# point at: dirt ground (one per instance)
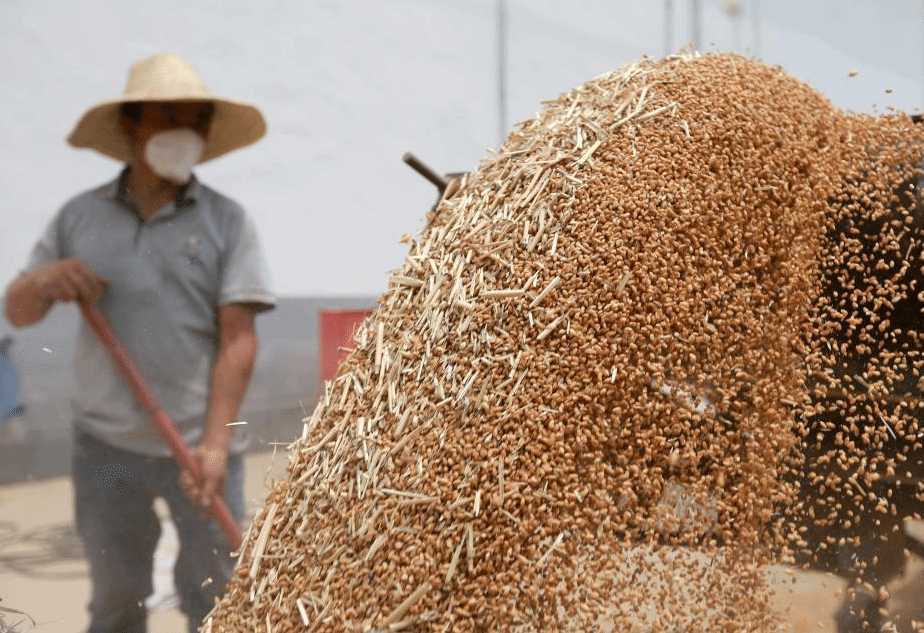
(43, 574)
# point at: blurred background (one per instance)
(347, 88)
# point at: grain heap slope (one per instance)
(593, 354)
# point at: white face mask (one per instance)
(173, 154)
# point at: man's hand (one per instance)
(237, 351)
(212, 464)
(29, 298)
(68, 280)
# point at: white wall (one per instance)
(348, 87)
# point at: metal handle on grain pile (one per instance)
(422, 169)
(159, 416)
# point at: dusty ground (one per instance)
(42, 571)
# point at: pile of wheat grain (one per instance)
(573, 406)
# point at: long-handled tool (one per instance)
(159, 416)
(421, 168)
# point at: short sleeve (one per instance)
(245, 274)
(48, 248)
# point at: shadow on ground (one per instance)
(47, 552)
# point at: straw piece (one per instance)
(500, 480)
(327, 438)
(549, 287)
(412, 282)
(519, 381)
(406, 494)
(404, 440)
(243, 547)
(509, 293)
(454, 562)
(418, 501)
(653, 113)
(548, 553)
(302, 612)
(589, 152)
(377, 544)
(403, 624)
(409, 602)
(261, 540)
(380, 333)
(622, 282)
(467, 384)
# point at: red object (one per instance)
(159, 417)
(335, 335)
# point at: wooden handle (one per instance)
(159, 417)
(422, 169)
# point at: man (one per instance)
(178, 271)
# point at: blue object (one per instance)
(9, 383)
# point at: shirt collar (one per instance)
(118, 192)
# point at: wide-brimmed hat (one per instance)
(168, 77)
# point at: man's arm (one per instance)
(234, 362)
(29, 298)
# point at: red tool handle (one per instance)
(159, 416)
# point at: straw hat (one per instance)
(168, 77)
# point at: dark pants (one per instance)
(114, 493)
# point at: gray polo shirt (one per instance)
(167, 277)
